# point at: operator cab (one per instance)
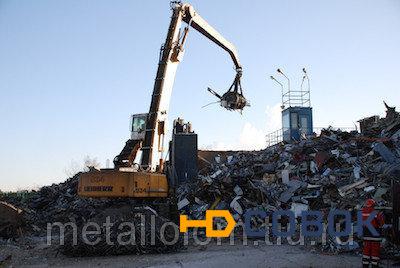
(127, 156)
(138, 126)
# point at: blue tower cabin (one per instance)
(296, 123)
(297, 119)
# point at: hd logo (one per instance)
(185, 223)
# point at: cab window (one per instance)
(139, 124)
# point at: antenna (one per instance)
(274, 79)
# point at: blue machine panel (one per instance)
(184, 156)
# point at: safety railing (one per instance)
(275, 137)
(278, 135)
(299, 98)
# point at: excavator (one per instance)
(148, 182)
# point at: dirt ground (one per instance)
(38, 254)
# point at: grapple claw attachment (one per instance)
(233, 99)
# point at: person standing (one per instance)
(371, 243)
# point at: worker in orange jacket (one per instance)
(371, 243)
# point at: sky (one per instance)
(72, 72)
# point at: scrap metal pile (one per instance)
(55, 203)
(11, 220)
(336, 170)
(146, 237)
(60, 203)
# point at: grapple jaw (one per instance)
(233, 99)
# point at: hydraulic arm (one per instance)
(171, 54)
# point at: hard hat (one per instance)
(370, 203)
